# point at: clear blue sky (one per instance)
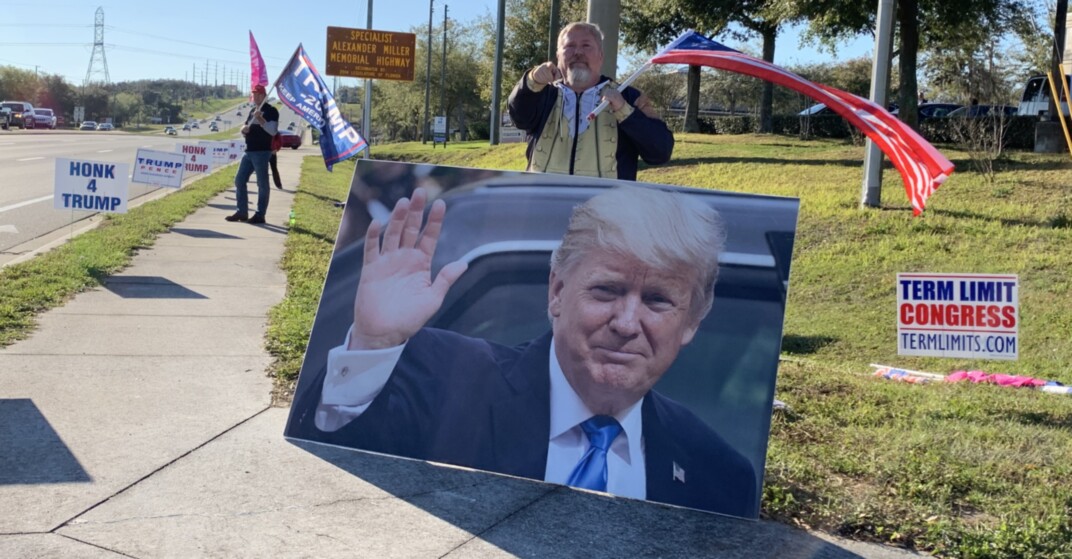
(166, 40)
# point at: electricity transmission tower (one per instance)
(98, 64)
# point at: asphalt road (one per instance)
(27, 171)
(27, 182)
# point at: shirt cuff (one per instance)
(623, 113)
(355, 378)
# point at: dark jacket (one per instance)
(638, 135)
(258, 139)
(473, 403)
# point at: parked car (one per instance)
(44, 118)
(170, 131)
(105, 126)
(983, 110)
(820, 109)
(88, 125)
(1035, 100)
(22, 113)
(290, 139)
(934, 110)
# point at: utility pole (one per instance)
(1056, 69)
(443, 77)
(607, 15)
(552, 31)
(428, 75)
(496, 102)
(366, 117)
(871, 195)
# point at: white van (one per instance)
(1036, 98)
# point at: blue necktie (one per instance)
(591, 471)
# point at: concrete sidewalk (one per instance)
(136, 422)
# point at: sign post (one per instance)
(439, 131)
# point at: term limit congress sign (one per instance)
(364, 53)
(958, 315)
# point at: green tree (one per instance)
(17, 84)
(525, 42)
(648, 24)
(398, 106)
(936, 26)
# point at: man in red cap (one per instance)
(261, 125)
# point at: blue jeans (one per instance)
(253, 161)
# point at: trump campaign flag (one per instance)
(302, 89)
(258, 72)
(923, 168)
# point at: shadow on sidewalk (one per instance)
(528, 518)
(31, 451)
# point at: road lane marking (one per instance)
(29, 159)
(105, 151)
(26, 203)
(9, 229)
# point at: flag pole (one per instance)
(621, 87)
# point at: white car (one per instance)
(44, 118)
(105, 126)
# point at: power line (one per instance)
(162, 38)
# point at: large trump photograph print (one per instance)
(607, 335)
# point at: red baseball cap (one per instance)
(258, 89)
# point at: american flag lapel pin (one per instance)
(679, 473)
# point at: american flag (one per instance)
(923, 168)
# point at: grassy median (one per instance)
(956, 470)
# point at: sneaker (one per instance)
(257, 218)
(239, 216)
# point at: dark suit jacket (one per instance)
(469, 402)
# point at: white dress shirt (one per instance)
(355, 378)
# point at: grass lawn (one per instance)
(956, 470)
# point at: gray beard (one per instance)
(578, 76)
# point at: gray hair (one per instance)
(592, 28)
(665, 230)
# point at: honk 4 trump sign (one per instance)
(958, 315)
(92, 186)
